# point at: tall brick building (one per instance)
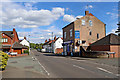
(82, 32)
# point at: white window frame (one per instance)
(83, 22)
(65, 35)
(90, 23)
(70, 32)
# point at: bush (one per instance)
(26, 51)
(3, 60)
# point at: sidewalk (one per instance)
(107, 61)
(23, 67)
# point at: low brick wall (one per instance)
(59, 50)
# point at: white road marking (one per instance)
(83, 68)
(44, 68)
(78, 67)
(104, 70)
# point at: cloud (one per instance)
(70, 18)
(27, 16)
(113, 15)
(38, 35)
(88, 7)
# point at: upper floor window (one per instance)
(90, 33)
(4, 40)
(90, 23)
(71, 33)
(83, 22)
(64, 34)
(97, 35)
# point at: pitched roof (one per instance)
(110, 39)
(9, 33)
(18, 45)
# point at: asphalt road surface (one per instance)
(62, 67)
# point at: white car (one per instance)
(43, 50)
(13, 53)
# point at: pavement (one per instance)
(23, 67)
(69, 67)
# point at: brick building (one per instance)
(82, 32)
(10, 42)
(109, 43)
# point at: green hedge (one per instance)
(3, 60)
(26, 51)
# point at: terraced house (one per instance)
(82, 32)
(10, 42)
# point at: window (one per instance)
(90, 33)
(83, 22)
(64, 34)
(90, 23)
(71, 33)
(97, 35)
(4, 40)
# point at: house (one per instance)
(54, 46)
(25, 42)
(58, 48)
(109, 43)
(10, 42)
(82, 32)
(47, 46)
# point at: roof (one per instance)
(110, 39)
(18, 45)
(9, 33)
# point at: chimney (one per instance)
(55, 38)
(49, 39)
(45, 40)
(25, 38)
(86, 12)
(13, 29)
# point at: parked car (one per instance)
(8, 53)
(13, 53)
(43, 50)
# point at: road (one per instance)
(62, 67)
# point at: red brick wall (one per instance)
(116, 49)
(9, 39)
(59, 50)
(100, 48)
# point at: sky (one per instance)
(37, 20)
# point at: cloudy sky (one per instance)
(37, 20)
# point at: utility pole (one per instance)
(52, 42)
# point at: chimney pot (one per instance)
(86, 12)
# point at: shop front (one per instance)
(68, 48)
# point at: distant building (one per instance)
(10, 42)
(54, 46)
(25, 42)
(82, 32)
(109, 43)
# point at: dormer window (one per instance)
(83, 22)
(90, 23)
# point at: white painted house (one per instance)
(58, 45)
(25, 42)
